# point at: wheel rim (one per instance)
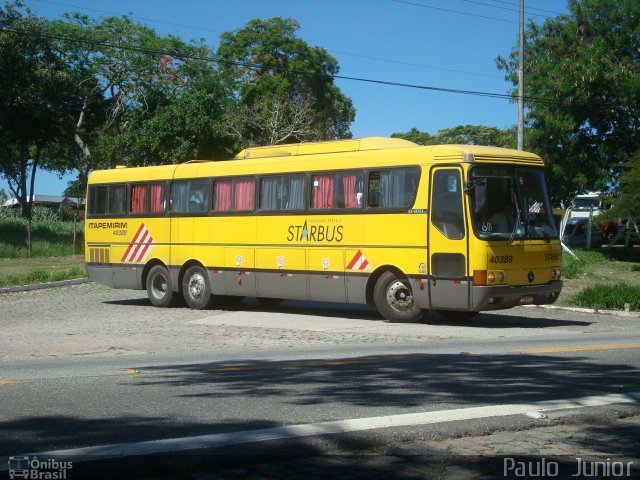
(400, 297)
(196, 286)
(159, 286)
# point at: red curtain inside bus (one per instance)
(222, 195)
(245, 194)
(322, 191)
(350, 193)
(139, 199)
(157, 198)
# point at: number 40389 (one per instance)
(501, 259)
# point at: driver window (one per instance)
(446, 204)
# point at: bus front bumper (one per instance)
(497, 297)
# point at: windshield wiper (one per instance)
(547, 238)
(518, 220)
(470, 185)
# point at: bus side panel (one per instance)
(227, 259)
(239, 271)
(326, 275)
(212, 257)
(281, 273)
(398, 240)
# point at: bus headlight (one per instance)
(556, 273)
(496, 277)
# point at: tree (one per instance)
(146, 99)
(34, 99)
(583, 93)
(187, 126)
(464, 135)
(627, 202)
(272, 120)
(74, 188)
(283, 87)
(416, 136)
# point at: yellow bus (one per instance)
(382, 221)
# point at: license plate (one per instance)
(525, 300)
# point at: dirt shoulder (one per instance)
(24, 265)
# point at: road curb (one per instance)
(593, 311)
(41, 286)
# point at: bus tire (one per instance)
(196, 288)
(457, 315)
(159, 288)
(393, 297)
(269, 302)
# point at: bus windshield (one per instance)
(510, 203)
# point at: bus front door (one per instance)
(447, 241)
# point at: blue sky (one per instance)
(434, 43)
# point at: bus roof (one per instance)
(337, 146)
(289, 158)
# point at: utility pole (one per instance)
(521, 79)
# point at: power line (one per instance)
(256, 67)
(405, 2)
(107, 12)
(399, 62)
(368, 57)
(504, 8)
(527, 8)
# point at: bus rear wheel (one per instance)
(393, 297)
(196, 288)
(159, 289)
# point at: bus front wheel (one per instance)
(159, 288)
(393, 297)
(195, 288)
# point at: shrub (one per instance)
(40, 276)
(608, 297)
(50, 236)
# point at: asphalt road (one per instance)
(87, 366)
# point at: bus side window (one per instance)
(158, 198)
(180, 197)
(349, 189)
(244, 194)
(198, 196)
(322, 190)
(283, 192)
(117, 199)
(138, 198)
(394, 188)
(446, 208)
(97, 200)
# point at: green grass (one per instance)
(608, 297)
(51, 234)
(572, 268)
(40, 276)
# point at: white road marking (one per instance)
(322, 428)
